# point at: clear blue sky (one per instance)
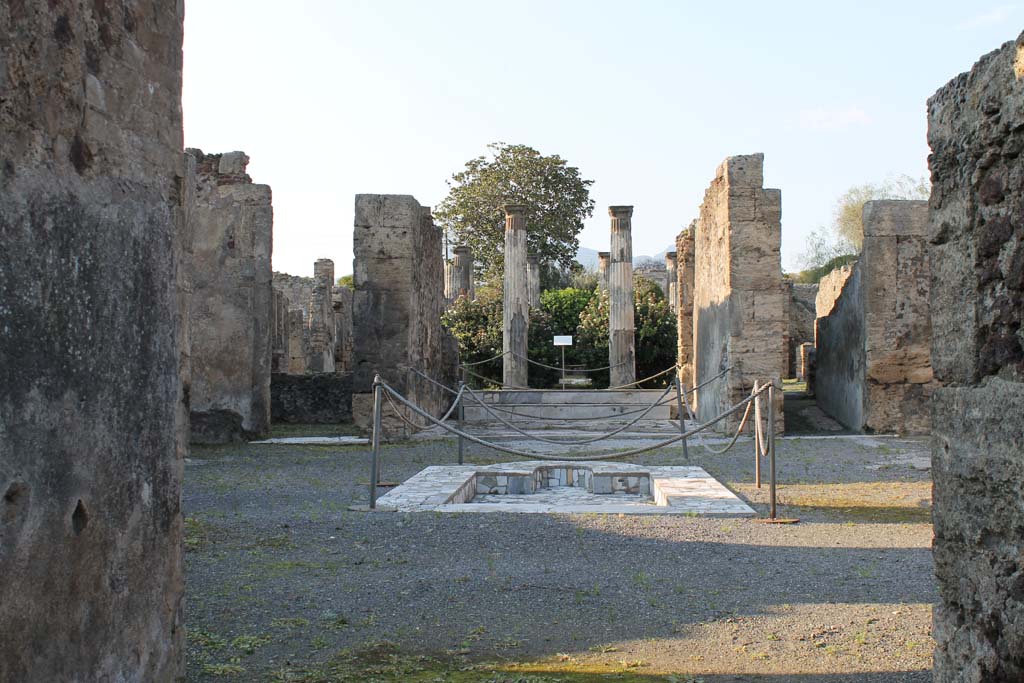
(332, 97)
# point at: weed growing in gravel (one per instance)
(249, 644)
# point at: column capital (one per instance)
(670, 258)
(514, 209)
(620, 211)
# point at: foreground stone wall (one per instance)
(232, 301)
(976, 230)
(740, 305)
(874, 361)
(93, 351)
(397, 304)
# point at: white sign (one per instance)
(563, 340)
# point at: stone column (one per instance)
(462, 267)
(321, 317)
(533, 281)
(684, 312)
(672, 287)
(516, 317)
(451, 292)
(621, 343)
(602, 270)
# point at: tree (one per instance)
(849, 207)
(556, 196)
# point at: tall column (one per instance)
(533, 281)
(621, 343)
(672, 285)
(462, 265)
(321, 317)
(516, 318)
(602, 270)
(451, 292)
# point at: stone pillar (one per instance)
(462, 268)
(298, 343)
(342, 297)
(321, 317)
(516, 319)
(684, 314)
(231, 332)
(602, 269)
(451, 291)
(671, 285)
(621, 342)
(533, 281)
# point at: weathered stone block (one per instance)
(324, 398)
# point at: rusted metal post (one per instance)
(462, 418)
(682, 415)
(375, 459)
(757, 439)
(771, 449)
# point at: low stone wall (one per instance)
(976, 251)
(322, 398)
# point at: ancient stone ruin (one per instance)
(231, 221)
(976, 252)
(802, 314)
(739, 305)
(397, 306)
(95, 368)
(684, 306)
(873, 341)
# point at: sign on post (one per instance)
(563, 340)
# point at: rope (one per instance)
(552, 367)
(568, 458)
(481, 362)
(448, 414)
(434, 381)
(542, 418)
(709, 381)
(582, 442)
(645, 379)
(735, 437)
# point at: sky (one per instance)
(332, 98)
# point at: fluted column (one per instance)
(621, 342)
(462, 267)
(450, 291)
(602, 270)
(516, 318)
(533, 281)
(671, 282)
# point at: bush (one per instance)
(578, 312)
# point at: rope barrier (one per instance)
(568, 458)
(552, 367)
(451, 409)
(481, 362)
(645, 379)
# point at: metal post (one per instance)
(757, 440)
(375, 460)
(462, 418)
(771, 449)
(563, 368)
(682, 416)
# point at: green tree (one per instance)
(555, 194)
(346, 281)
(850, 205)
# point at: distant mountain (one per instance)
(588, 257)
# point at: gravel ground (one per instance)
(281, 576)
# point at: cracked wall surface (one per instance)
(93, 341)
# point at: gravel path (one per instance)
(281, 576)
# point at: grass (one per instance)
(280, 430)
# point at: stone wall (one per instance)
(323, 398)
(873, 348)
(297, 288)
(93, 350)
(232, 307)
(976, 252)
(281, 323)
(802, 313)
(740, 306)
(839, 353)
(829, 289)
(684, 307)
(342, 298)
(397, 304)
